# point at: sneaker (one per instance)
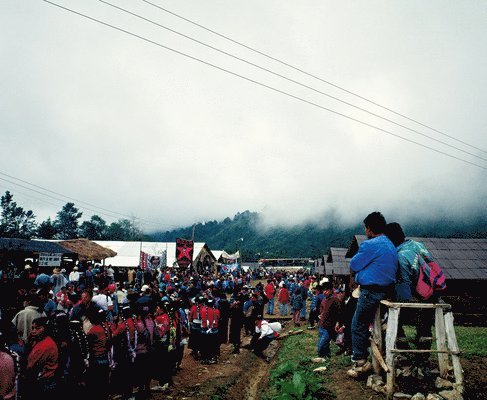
(360, 367)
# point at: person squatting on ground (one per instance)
(375, 266)
(265, 333)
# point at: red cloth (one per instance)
(7, 377)
(194, 312)
(210, 317)
(97, 341)
(283, 297)
(270, 290)
(42, 361)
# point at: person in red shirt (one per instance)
(195, 327)
(42, 362)
(99, 344)
(209, 329)
(124, 344)
(270, 291)
(283, 299)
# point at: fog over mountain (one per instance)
(135, 120)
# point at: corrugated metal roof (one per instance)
(32, 246)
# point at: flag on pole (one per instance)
(184, 252)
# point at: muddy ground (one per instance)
(244, 377)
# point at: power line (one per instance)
(312, 75)
(105, 212)
(260, 83)
(289, 79)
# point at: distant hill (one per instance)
(307, 240)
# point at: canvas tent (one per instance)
(128, 253)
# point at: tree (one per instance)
(125, 229)
(46, 230)
(94, 229)
(66, 222)
(15, 222)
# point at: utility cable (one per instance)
(311, 75)
(289, 79)
(84, 202)
(63, 200)
(260, 83)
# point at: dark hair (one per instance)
(375, 222)
(395, 233)
(41, 321)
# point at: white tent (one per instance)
(128, 253)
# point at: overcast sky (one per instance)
(109, 119)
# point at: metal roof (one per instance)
(336, 264)
(32, 246)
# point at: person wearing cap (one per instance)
(146, 300)
(375, 266)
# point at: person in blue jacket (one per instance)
(375, 267)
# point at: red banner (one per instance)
(143, 260)
(184, 252)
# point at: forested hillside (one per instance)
(244, 232)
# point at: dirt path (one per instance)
(236, 376)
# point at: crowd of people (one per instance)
(94, 331)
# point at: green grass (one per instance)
(472, 341)
(292, 377)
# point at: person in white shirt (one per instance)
(265, 333)
(74, 275)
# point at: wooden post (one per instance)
(453, 346)
(391, 336)
(377, 339)
(441, 342)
